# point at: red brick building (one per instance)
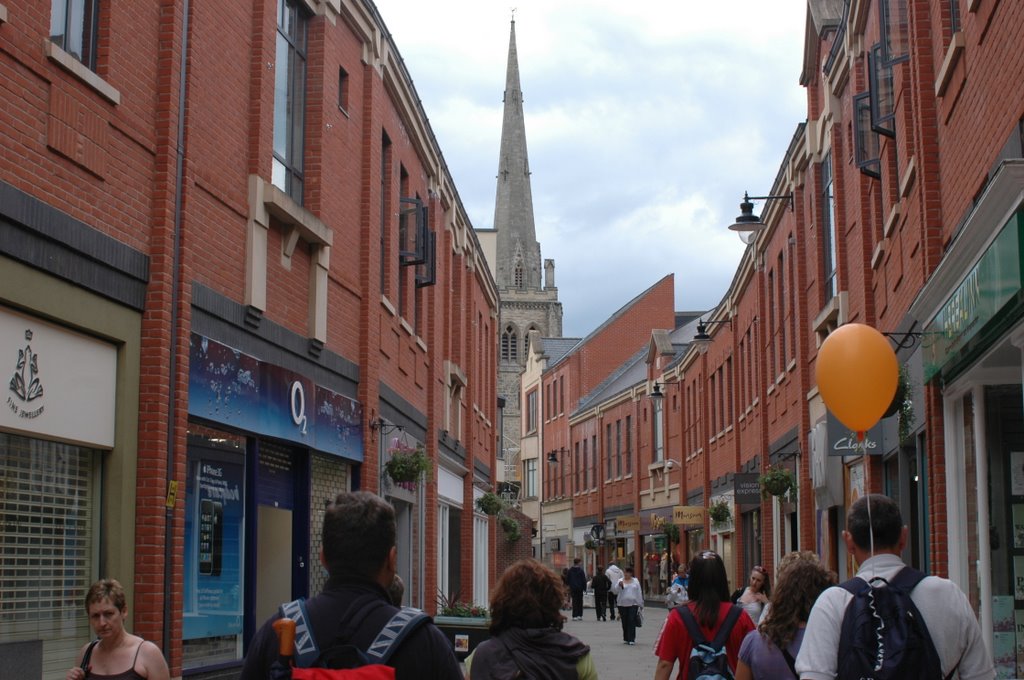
(238, 277)
(898, 204)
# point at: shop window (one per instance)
(213, 580)
(48, 510)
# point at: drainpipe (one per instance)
(172, 392)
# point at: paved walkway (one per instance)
(613, 659)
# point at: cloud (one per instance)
(645, 124)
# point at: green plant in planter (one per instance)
(408, 465)
(720, 512)
(777, 481)
(451, 605)
(511, 528)
(490, 504)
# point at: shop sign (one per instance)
(747, 488)
(688, 515)
(627, 523)
(988, 286)
(232, 388)
(58, 383)
(842, 441)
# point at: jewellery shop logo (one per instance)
(25, 385)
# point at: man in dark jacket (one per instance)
(360, 555)
(601, 584)
(577, 584)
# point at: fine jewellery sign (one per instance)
(58, 383)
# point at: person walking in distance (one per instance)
(614, 575)
(876, 537)
(115, 653)
(600, 584)
(577, 584)
(708, 617)
(359, 552)
(630, 598)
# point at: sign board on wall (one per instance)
(843, 442)
(627, 523)
(232, 388)
(688, 515)
(747, 487)
(58, 383)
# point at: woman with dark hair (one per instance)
(755, 596)
(770, 652)
(526, 630)
(709, 608)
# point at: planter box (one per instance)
(464, 633)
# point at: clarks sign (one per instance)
(843, 442)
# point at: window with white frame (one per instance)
(74, 28)
(658, 454)
(828, 229)
(290, 98)
(531, 411)
(530, 477)
(481, 590)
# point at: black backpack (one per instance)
(709, 660)
(883, 634)
(341, 654)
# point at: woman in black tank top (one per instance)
(115, 654)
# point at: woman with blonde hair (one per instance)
(770, 651)
(527, 640)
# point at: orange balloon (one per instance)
(857, 374)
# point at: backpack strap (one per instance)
(907, 579)
(723, 631)
(791, 662)
(691, 625)
(306, 649)
(398, 628)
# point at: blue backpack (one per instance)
(883, 634)
(708, 660)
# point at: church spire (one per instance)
(518, 253)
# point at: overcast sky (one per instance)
(645, 123)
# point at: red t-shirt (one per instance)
(674, 643)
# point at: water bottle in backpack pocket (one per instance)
(883, 635)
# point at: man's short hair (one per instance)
(359, 532)
(886, 522)
(576, 561)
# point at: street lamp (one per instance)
(701, 338)
(747, 224)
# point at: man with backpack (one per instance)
(890, 621)
(359, 552)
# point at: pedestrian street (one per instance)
(613, 659)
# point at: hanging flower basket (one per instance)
(490, 504)
(408, 465)
(777, 481)
(511, 528)
(720, 512)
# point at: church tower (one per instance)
(529, 298)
